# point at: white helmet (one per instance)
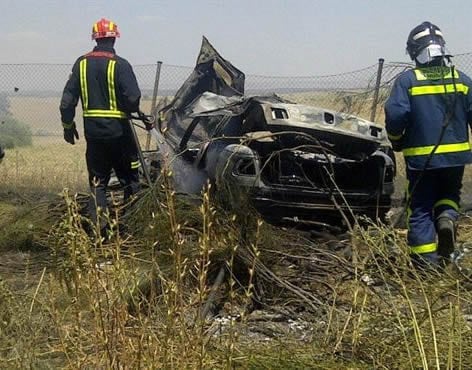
(426, 42)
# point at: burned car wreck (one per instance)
(294, 162)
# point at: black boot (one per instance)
(446, 236)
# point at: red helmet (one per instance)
(104, 28)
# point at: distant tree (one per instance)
(14, 133)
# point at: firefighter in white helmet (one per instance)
(428, 115)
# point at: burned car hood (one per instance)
(214, 93)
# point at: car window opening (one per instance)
(375, 131)
(329, 118)
(278, 113)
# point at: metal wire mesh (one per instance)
(30, 95)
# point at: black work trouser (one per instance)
(119, 154)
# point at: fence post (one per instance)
(377, 89)
(154, 100)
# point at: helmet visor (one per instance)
(428, 53)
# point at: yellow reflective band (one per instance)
(441, 149)
(67, 125)
(111, 25)
(83, 83)
(95, 27)
(394, 137)
(135, 165)
(105, 113)
(435, 73)
(111, 84)
(113, 112)
(439, 89)
(447, 202)
(423, 248)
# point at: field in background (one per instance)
(46, 167)
(50, 164)
(42, 114)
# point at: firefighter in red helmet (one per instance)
(104, 28)
(109, 93)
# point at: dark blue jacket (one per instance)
(108, 89)
(421, 103)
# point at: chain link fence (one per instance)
(30, 96)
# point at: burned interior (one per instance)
(295, 162)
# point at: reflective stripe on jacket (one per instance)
(110, 109)
(422, 101)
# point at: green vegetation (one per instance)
(14, 133)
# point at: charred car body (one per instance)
(295, 162)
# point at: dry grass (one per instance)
(139, 300)
(44, 168)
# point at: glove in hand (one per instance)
(70, 134)
(147, 120)
(397, 145)
(148, 125)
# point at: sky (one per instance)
(260, 37)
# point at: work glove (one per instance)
(71, 133)
(397, 145)
(147, 120)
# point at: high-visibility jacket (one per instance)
(422, 101)
(108, 90)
